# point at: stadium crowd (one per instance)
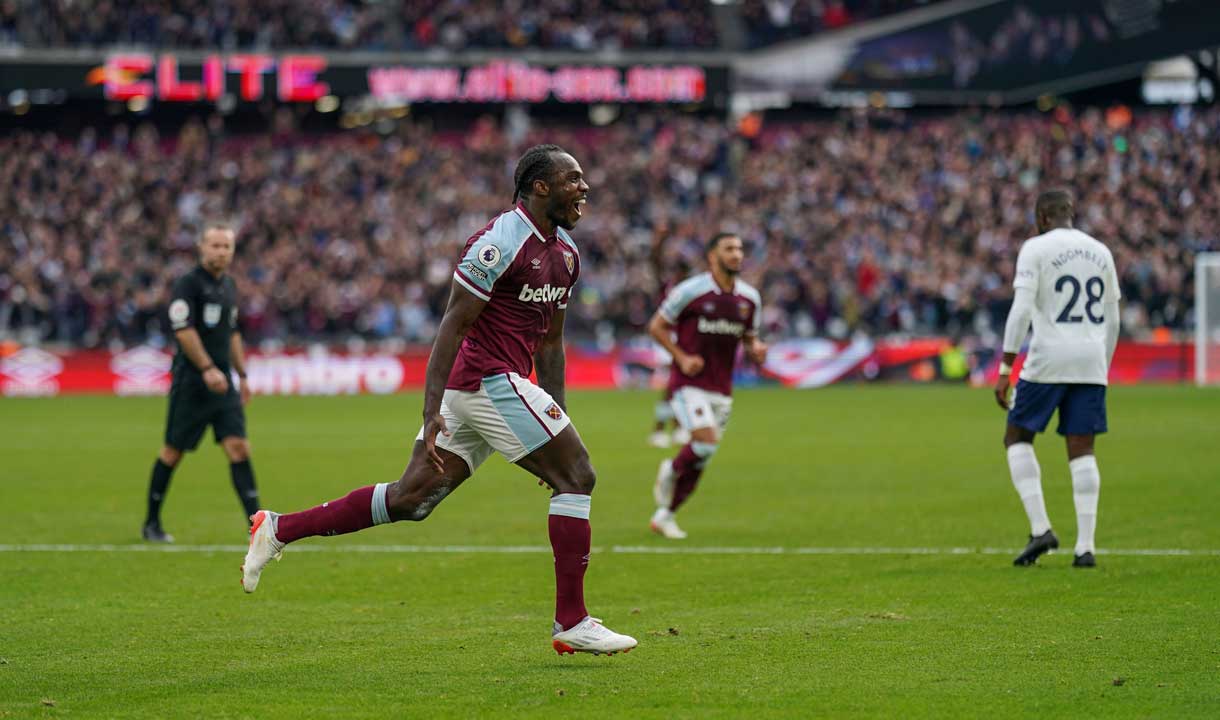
(872, 222)
(360, 25)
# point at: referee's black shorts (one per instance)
(192, 407)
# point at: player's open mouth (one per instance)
(576, 206)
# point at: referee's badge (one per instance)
(179, 311)
(211, 314)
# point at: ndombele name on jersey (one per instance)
(1069, 255)
(720, 326)
(546, 293)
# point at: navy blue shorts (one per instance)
(1082, 408)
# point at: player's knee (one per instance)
(237, 449)
(704, 450)
(1014, 435)
(578, 478)
(582, 479)
(1079, 445)
(170, 456)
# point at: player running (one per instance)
(700, 323)
(1066, 283)
(505, 316)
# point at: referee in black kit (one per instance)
(203, 315)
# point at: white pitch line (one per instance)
(613, 549)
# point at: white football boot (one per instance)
(659, 439)
(590, 636)
(663, 524)
(263, 548)
(663, 488)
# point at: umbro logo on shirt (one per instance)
(546, 293)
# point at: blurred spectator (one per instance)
(558, 24)
(363, 24)
(879, 223)
(219, 24)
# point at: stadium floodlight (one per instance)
(1207, 318)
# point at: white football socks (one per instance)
(1086, 486)
(1027, 479)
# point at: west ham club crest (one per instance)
(570, 261)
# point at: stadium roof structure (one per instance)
(998, 52)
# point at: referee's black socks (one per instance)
(157, 485)
(243, 483)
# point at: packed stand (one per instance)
(203, 24)
(860, 223)
(558, 24)
(361, 24)
(771, 21)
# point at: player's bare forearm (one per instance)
(549, 361)
(662, 331)
(463, 310)
(756, 349)
(192, 347)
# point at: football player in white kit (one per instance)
(1067, 286)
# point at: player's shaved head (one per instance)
(1055, 208)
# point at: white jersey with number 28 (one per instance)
(1074, 278)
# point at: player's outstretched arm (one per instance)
(464, 308)
(549, 360)
(192, 346)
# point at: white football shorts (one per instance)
(508, 414)
(697, 408)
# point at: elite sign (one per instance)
(304, 78)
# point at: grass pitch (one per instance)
(775, 623)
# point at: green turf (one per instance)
(134, 634)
